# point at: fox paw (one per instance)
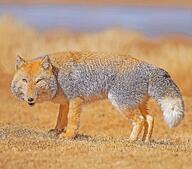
(132, 139)
(68, 135)
(55, 132)
(147, 141)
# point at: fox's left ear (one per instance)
(46, 64)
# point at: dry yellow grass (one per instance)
(103, 135)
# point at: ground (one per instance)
(102, 141)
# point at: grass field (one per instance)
(102, 141)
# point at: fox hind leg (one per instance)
(136, 120)
(140, 121)
(137, 123)
(148, 124)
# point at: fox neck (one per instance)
(59, 97)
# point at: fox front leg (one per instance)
(73, 118)
(61, 120)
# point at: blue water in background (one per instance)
(152, 21)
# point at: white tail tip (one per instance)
(173, 110)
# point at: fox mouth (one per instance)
(31, 104)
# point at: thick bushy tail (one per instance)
(167, 95)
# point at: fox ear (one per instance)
(46, 64)
(19, 62)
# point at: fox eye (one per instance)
(39, 80)
(24, 80)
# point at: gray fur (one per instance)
(17, 90)
(128, 88)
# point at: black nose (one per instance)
(30, 99)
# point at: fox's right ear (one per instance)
(19, 62)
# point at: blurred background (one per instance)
(156, 31)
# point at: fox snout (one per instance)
(31, 95)
(30, 101)
(31, 98)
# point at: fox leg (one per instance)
(138, 123)
(61, 119)
(150, 122)
(73, 117)
(137, 120)
(148, 125)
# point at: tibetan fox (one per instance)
(73, 78)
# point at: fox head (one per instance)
(34, 81)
